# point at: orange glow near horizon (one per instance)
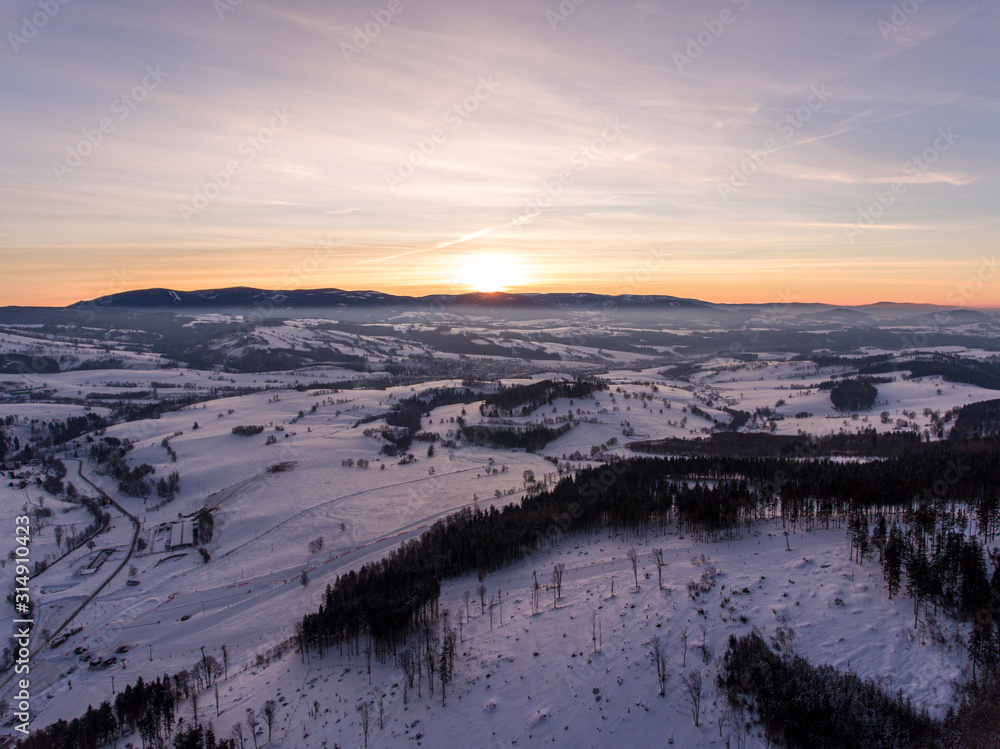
(485, 277)
(471, 149)
(510, 264)
(489, 272)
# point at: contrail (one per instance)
(855, 127)
(466, 238)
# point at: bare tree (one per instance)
(237, 734)
(736, 720)
(365, 711)
(633, 557)
(212, 668)
(658, 653)
(692, 694)
(557, 577)
(784, 641)
(253, 723)
(406, 662)
(493, 601)
(595, 630)
(704, 643)
(657, 555)
(430, 660)
(685, 631)
(379, 693)
(481, 590)
(270, 713)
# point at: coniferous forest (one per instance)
(926, 516)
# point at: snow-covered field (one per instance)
(534, 679)
(531, 678)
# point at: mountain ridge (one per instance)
(241, 297)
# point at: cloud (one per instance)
(356, 120)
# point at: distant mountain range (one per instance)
(237, 328)
(242, 298)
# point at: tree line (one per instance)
(819, 707)
(708, 496)
(521, 400)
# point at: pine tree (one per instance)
(863, 540)
(880, 534)
(892, 569)
(917, 575)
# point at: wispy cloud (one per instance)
(356, 119)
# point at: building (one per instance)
(181, 535)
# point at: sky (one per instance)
(726, 150)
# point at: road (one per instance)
(131, 549)
(228, 600)
(135, 539)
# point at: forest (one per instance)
(925, 516)
(949, 366)
(511, 438)
(818, 707)
(521, 400)
(853, 395)
(724, 443)
(935, 493)
(978, 418)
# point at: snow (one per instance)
(538, 679)
(529, 681)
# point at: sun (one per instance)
(489, 272)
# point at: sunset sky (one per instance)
(729, 150)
